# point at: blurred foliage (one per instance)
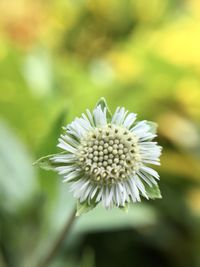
(56, 59)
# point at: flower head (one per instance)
(106, 158)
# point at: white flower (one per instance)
(106, 159)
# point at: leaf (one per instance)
(45, 163)
(153, 192)
(153, 126)
(84, 207)
(17, 176)
(100, 219)
(102, 102)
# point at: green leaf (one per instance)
(153, 126)
(102, 102)
(153, 192)
(17, 176)
(84, 207)
(45, 163)
(100, 219)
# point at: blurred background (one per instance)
(56, 59)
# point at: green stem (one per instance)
(59, 241)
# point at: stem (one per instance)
(58, 242)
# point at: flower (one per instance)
(106, 158)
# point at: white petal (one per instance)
(150, 171)
(85, 124)
(104, 197)
(110, 197)
(140, 186)
(143, 177)
(123, 193)
(147, 136)
(70, 140)
(151, 162)
(75, 186)
(63, 158)
(100, 116)
(119, 116)
(88, 120)
(147, 178)
(128, 122)
(140, 127)
(65, 169)
(117, 195)
(86, 192)
(129, 192)
(141, 130)
(90, 117)
(134, 188)
(99, 196)
(66, 146)
(77, 127)
(71, 176)
(94, 192)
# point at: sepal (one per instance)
(46, 163)
(84, 207)
(153, 192)
(102, 102)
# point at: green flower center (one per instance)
(109, 154)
